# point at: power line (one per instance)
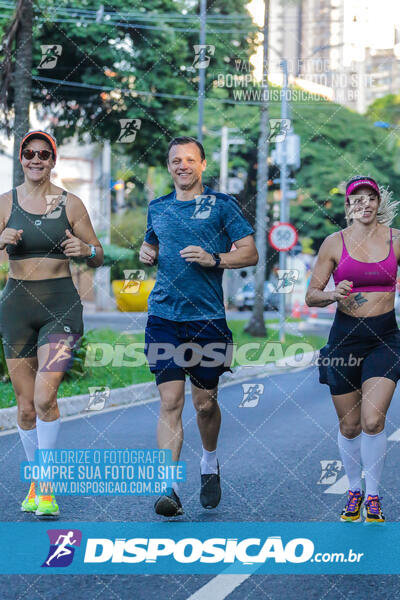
(151, 27)
(137, 15)
(248, 26)
(156, 94)
(175, 17)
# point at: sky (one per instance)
(366, 23)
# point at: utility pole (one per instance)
(256, 325)
(103, 274)
(202, 73)
(284, 199)
(223, 173)
(224, 188)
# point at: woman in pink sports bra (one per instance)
(361, 360)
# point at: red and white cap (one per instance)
(38, 133)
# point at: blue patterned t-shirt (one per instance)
(187, 291)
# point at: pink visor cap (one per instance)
(362, 182)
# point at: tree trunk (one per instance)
(22, 83)
(256, 325)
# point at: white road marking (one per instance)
(395, 437)
(339, 487)
(219, 587)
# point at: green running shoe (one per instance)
(47, 507)
(31, 501)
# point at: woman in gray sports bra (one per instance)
(41, 227)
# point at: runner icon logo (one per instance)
(203, 54)
(203, 207)
(50, 56)
(98, 395)
(61, 347)
(62, 547)
(133, 278)
(53, 206)
(330, 470)
(251, 394)
(278, 129)
(286, 280)
(129, 129)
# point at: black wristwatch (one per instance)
(217, 259)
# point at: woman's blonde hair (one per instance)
(387, 209)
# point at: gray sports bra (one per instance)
(42, 234)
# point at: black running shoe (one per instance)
(352, 510)
(169, 505)
(373, 510)
(210, 492)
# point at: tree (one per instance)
(385, 109)
(18, 33)
(136, 65)
(256, 325)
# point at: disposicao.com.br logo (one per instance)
(62, 547)
(247, 551)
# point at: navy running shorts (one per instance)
(359, 348)
(201, 349)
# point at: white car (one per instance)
(244, 297)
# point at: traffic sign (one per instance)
(283, 236)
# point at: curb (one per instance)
(77, 405)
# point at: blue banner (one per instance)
(85, 472)
(199, 548)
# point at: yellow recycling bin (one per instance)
(131, 296)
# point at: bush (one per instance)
(76, 371)
(127, 231)
(4, 374)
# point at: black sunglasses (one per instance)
(42, 154)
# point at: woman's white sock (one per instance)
(47, 432)
(350, 452)
(29, 441)
(373, 452)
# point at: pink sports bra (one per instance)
(367, 277)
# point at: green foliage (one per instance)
(385, 109)
(336, 143)
(127, 59)
(3, 274)
(4, 374)
(78, 370)
(127, 232)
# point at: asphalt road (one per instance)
(270, 465)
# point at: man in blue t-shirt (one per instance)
(189, 235)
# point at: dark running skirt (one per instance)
(359, 348)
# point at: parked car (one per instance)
(244, 297)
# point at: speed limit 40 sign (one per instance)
(283, 236)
